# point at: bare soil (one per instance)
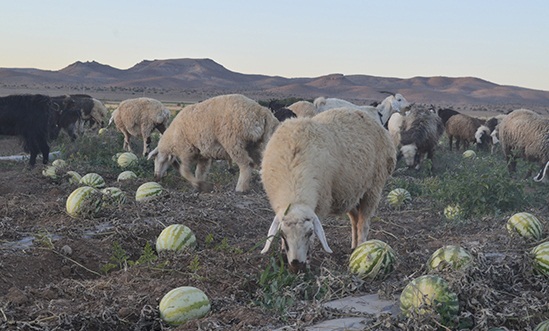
(53, 274)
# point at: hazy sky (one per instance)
(503, 41)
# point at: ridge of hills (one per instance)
(201, 78)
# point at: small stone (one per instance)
(66, 250)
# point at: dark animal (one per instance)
(283, 114)
(446, 113)
(69, 116)
(32, 117)
(84, 104)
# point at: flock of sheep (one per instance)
(317, 158)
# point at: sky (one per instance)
(502, 41)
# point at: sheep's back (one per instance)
(527, 132)
(462, 126)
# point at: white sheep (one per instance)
(381, 113)
(230, 127)
(419, 135)
(525, 134)
(139, 117)
(489, 129)
(395, 123)
(303, 108)
(335, 162)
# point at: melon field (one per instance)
(102, 272)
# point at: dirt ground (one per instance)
(53, 274)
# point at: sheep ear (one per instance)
(319, 231)
(153, 154)
(275, 226)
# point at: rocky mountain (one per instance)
(205, 77)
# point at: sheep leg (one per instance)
(202, 169)
(360, 218)
(127, 145)
(245, 165)
(451, 139)
(146, 145)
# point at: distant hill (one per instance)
(201, 78)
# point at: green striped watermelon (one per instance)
(398, 196)
(175, 237)
(127, 159)
(449, 257)
(183, 304)
(148, 191)
(74, 177)
(526, 225)
(59, 163)
(371, 259)
(84, 201)
(543, 326)
(92, 179)
(126, 175)
(113, 195)
(51, 172)
(429, 293)
(453, 212)
(541, 258)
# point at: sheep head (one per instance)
(296, 231)
(411, 156)
(162, 162)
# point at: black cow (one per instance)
(32, 117)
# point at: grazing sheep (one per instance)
(335, 162)
(525, 134)
(303, 108)
(381, 113)
(139, 117)
(421, 131)
(463, 128)
(446, 113)
(230, 127)
(394, 125)
(488, 132)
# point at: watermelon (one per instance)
(449, 257)
(92, 179)
(127, 159)
(175, 237)
(525, 225)
(74, 177)
(469, 154)
(540, 254)
(543, 326)
(453, 212)
(126, 175)
(183, 304)
(371, 259)
(51, 172)
(84, 201)
(101, 131)
(113, 195)
(148, 191)
(59, 163)
(398, 196)
(429, 293)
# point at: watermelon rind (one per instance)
(398, 196)
(73, 177)
(175, 237)
(51, 172)
(84, 201)
(372, 259)
(92, 179)
(59, 163)
(449, 257)
(113, 196)
(126, 160)
(469, 154)
(183, 304)
(453, 212)
(525, 225)
(126, 175)
(543, 326)
(148, 191)
(540, 255)
(429, 293)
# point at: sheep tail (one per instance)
(541, 175)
